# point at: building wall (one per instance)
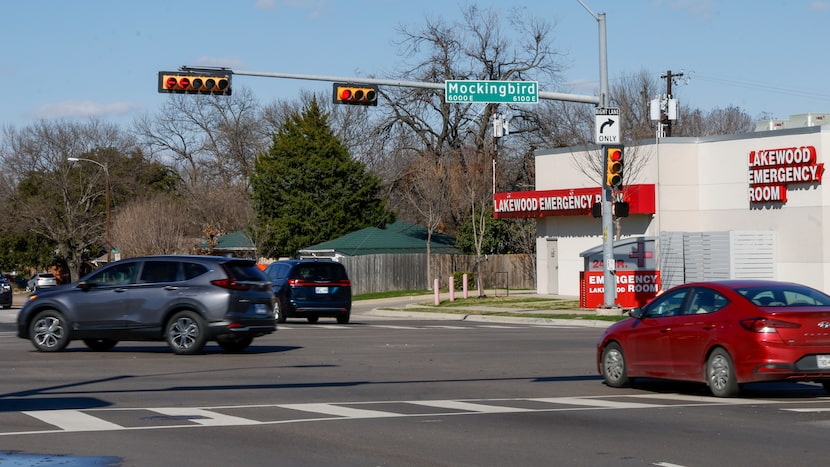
(701, 184)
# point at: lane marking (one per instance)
(348, 412)
(66, 421)
(204, 417)
(470, 407)
(704, 399)
(596, 403)
(72, 420)
(817, 410)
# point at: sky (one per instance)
(76, 59)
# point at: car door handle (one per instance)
(170, 287)
(665, 330)
(119, 290)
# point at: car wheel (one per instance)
(720, 374)
(313, 319)
(614, 368)
(278, 312)
(234, 344)
(344, 318)
(100, 345)
(185, 333)
(49, 331)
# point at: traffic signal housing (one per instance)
(354, 94)
(195, 82)
(613, 166)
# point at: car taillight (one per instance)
(230, 284)
(302, 282)
(767, 325)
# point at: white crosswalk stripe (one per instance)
(121, 418)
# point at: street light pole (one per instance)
(106, 200)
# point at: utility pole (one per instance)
(669, 77)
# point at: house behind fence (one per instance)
(396, 258)
(388, 272)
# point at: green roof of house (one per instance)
(236, 241)
(398, 237)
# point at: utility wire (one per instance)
(816, 95)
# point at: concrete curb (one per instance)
(488, 318)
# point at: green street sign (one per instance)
(497, 92)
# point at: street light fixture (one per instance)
(106, 200)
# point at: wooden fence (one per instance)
(387, 272)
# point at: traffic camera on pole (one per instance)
(354, 94)
(613, 156)
(216, 82)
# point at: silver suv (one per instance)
(185, 300)
(41, 280)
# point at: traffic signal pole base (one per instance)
(612, 311)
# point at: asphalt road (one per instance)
(386, 392)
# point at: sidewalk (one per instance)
(477, 313)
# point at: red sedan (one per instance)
(722, 333)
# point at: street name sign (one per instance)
(491, 92)
(607, 125)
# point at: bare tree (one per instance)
(425, 188)
(62, 201)
(479, 47)
(152, 226)
(212, 142)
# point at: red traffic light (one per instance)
(354, 94)
(191, 82)
(613, 166)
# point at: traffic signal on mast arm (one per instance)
(613, 166)
(195, 82)
(354, 94)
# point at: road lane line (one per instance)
(72, 420)
(348, 412)
(706, 399)
(204, 417)
(469, 406)
(596, 403)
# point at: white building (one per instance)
(737, 206)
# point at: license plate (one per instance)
(823, 361)
(321, 290)
(260, 309)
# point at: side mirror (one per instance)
(84, 285)
(636, 313)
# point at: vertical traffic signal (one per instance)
(613, 166)
(195, 82)
(354, 94)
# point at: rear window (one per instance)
(244, 271)
(46, 275)
(319, 272)
(785, 295)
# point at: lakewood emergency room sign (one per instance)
(773, 171)
(568, 202)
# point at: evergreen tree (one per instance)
(307, 189)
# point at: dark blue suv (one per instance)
(310, 289)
